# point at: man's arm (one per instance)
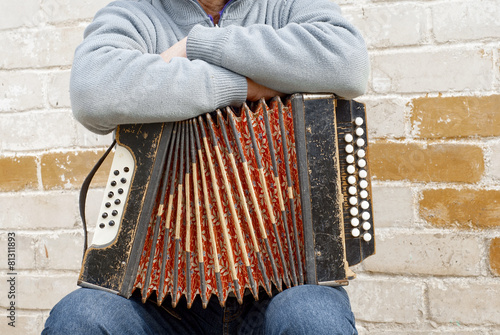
(254, 91)
(315, 50)
(117, 78)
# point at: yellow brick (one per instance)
(18, 173)
(429, 163)
(495, 256)
(456, 116)
(462, 209)
(69, 169)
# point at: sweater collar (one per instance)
(222, 10)
(189, 12)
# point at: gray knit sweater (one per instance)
(118, 76)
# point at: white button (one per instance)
(349, 159)
(361, 163)
(354, 211)
(353, 200)
(363, 184)
(354, 222)
(349, 149)
(365, 216)
(365, 204)
(348, 138)
(360, 142)
(355, 232)
(360, 131)
(366, 225)
(363, 194)
(367, 237)
(351, 169)
(351, 180)
(352, 190)
(361, 153)
(363, 174)
(359, 121)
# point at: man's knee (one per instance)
(311, 309)
(84, 311)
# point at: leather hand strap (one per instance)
(84, 191)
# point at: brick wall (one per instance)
(44, 155)
(433, 108)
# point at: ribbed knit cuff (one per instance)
(206, 44)
(230, 88)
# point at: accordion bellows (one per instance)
(224, 184)
(235, 200)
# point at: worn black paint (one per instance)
(114, 267)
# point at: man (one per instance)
(168, 60)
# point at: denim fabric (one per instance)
(307, 309)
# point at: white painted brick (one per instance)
(18, 13)
(344, 2)
(39, 210)
(494, 166)
(389, 25)
(392, 206)
(387, 300)
(466, 20)
(86, 138)
(426, 253)
(465, 302)
(385, 118)
(429, 331)
(59, 251)
(58, 89)
(24, 253)
(26, 324)
(39, 291)
(20, 91)
(497, 71)
(62, 10)
(39, 48)
(37, 130)
(438, 70)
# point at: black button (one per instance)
(102, 225)
(111, 194)
(113, 183)
(104, 215)
(123, 180)
(116, 172)
(114, 213)
(111, 223)
(126, 169)
(120, 191)
(117, 201)
(108, 204)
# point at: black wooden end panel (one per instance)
(325, 189)
(107, 267)
(146, 204)
(305, 191)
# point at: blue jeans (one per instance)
(307, 309)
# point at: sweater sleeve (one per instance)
(315, 49)
(117, 78)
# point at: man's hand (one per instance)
(256, 91)
(176, 50)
